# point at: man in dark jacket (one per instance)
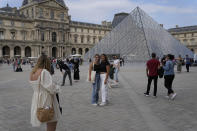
(67, 71)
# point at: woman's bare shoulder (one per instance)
(34, 76)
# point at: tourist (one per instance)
(18, 67)
(104, 74)
(122, 61)
(169, 76)
(117, 68)
(76, 69)
(90, 60)
(44, 93)
(69, 64)
(54, 63)
(152, 67)
(66, 72)
(14, 65)
(187, 63)
(179, 63)
(95, 66)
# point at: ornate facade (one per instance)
(45, 25)
(186, 35)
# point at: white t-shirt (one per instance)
(116, 62)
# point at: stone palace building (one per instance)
(45, 26)
(186, 35)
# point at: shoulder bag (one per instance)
(44, 114)
(93, 74)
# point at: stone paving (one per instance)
(128, 110)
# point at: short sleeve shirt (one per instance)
(152, 66)
(116, 62)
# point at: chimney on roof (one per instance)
(177, 26)
(106, 23)
(161, 25)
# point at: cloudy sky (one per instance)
(167, 12)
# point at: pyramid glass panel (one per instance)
(136, 37)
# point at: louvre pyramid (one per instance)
(136, 37)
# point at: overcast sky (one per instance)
(167, 12)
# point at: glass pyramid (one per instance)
(136, 37)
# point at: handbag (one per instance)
(93, 74)
(45, 114)
(160, 72)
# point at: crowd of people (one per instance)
(45, 101)
(102, 74)
(164, 69)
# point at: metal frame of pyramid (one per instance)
(136, 37)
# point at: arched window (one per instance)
(73, 51)
(54, 52)
(100, 38)
(28, 52)
(1, 35)
(62, 16)
(42, 36)
(41, 12)
(94, 40)
(54, 37)
(6, 51)
(17, 51)
(32, 12)
(80, 51)
(52, 14)
(75, 38)
(86, 50)
(82, 39)
(88, 39)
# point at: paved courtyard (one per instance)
(128, 110)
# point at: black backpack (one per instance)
(160, 72)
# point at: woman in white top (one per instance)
(41, 74)
(117, 68)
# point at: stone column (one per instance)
(1, 48)
(60, 50)
(49, 51)
(35, 51)
(36, 34)
(32, 51)
(11, 52)
(22, 52)
(1, 55)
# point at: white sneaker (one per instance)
(94, 104)
(173, 96)
(168, 97)
(103, 104)
(154, 96)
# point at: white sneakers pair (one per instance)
(101, 104)
(172, 97)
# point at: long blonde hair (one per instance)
(42, 63)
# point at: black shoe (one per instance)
(62, 84)
(146, 94)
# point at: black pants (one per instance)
(168, 79)
(64, 77)
(150, 78)
(187, 67)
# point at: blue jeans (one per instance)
(95, 89)
(116, 74)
